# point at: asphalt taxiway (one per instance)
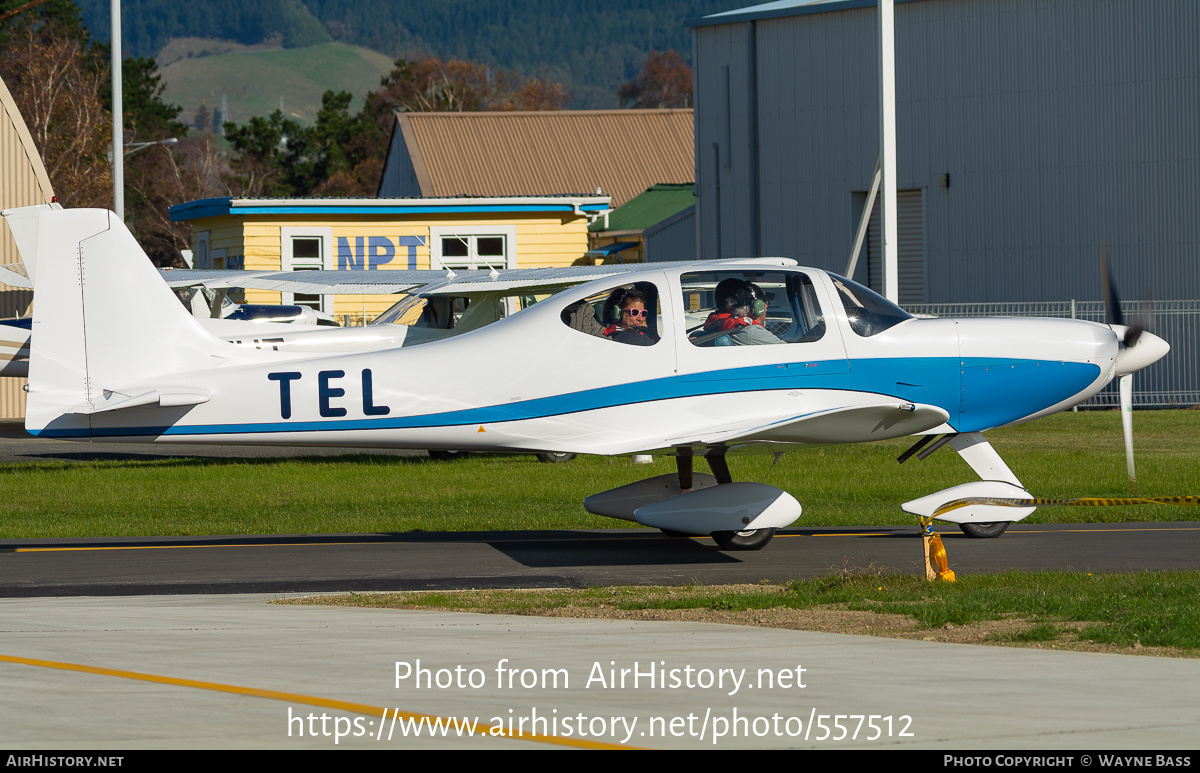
(236, 671)
(318, 563)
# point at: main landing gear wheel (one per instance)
(446, 456)
(755, 539)
(984, 530)
(550, 458)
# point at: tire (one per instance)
(553, 458)
(447, 456)
(984, 530)
(755, 539)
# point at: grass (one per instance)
(1063, 456)
(253, 81)
(1144, 609)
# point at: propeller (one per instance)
(1139, 348)
(1112, 304)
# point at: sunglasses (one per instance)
(636, 312)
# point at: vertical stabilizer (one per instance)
(105, 326)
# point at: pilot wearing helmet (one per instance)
(742, 312)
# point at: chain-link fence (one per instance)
(1172, 382)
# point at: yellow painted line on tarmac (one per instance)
(1025, 531)
(486, 731)
(854, 534)
(1092, 531)
(190, 547)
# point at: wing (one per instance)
(880, 420)
(427, 282)
(214, 278)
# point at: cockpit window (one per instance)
(628, 314)
(435, 311)
(748, 308)
(868, 312)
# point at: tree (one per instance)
(60, 81)
(147, 116)
(665, 81)
(195, 168)
(261, 167)
(343, 154)
(431, 85)
(59, 92)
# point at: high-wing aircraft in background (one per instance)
(832, 363)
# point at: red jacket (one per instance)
(723, 320)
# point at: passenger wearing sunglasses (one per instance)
(626, 315)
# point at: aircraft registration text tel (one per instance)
(327, 392)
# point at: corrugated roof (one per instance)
(653, 206)
(621, 152)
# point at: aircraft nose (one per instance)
(1147, 350)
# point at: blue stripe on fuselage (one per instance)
(978, 394)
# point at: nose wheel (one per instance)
(984, 530)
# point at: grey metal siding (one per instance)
(1061, 124)
(399, 179)
(722, 158)
(672, 239)
(910, 256)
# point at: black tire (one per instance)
(755, 539)
(984, 530)
(553, 458)
(447, 456)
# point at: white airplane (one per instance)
(563, 376)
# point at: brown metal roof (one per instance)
(622, 152)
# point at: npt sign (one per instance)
(371, 252)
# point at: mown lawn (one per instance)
(1063, 456)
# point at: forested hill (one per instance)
(591, 47)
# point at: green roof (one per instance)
(658, 203)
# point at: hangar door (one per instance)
(911, 234)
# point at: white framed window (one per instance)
(306, 249)
(473, 248)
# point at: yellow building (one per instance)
(456, 233)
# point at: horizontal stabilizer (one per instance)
(116, 401)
